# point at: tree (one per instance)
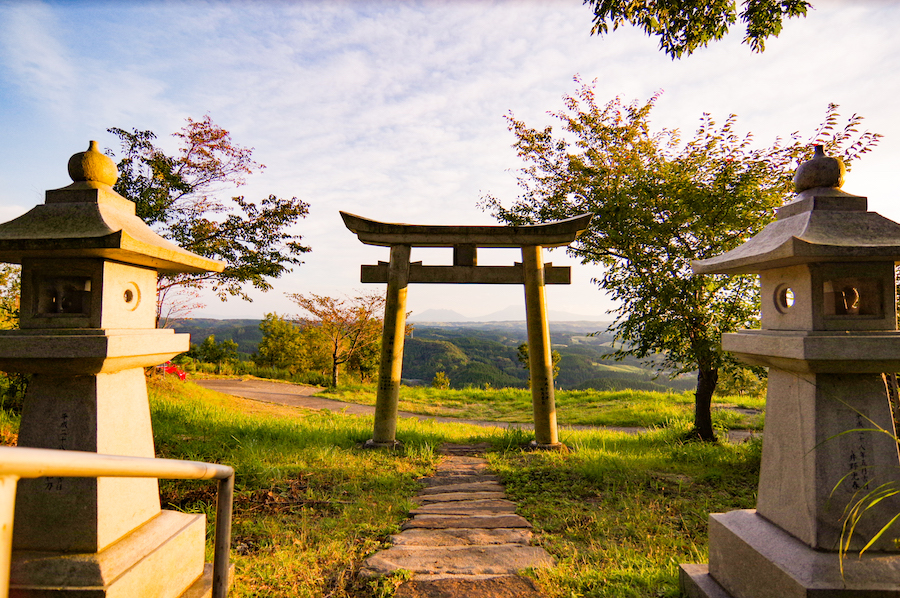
(210, 351)
(685, 25)
(440, 381)
(288, 346)
(658, 204)
(12, 386)
(10, 290)
(522, 355)
(350, 325)
(176, 195)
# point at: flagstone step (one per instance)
(463, 536)
(464, 539)
(449, 479)
(444, 561)
(463, 487)
(469, 521)
(453, 496)
(499, 505)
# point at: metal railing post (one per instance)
(222, 551)
(21, 462)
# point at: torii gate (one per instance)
(465, 240)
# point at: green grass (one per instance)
(627, 408)
(618, 513)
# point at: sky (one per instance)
(395, 110)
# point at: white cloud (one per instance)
(395, 110)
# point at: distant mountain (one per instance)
(439, 315)
(513, 313)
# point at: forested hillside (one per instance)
(479, 354)
(487, 353)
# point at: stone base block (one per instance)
(203, 587)
(751, 557)
(160, 559)
(696, 582)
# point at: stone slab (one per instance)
(463, 487)
(443, 480)
(162, 559)
(461, 537)
(477, 521)
(448, 448)
(456, 496)
(511, 586)
(459, 463)
(471, 507)
(494, 560)
(203, 587)
(753, 558)
(696, 582)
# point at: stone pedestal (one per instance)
(88, 316)
(831, 464)
(96, 536)
(829, 329)
(750, 557)
(162, 557)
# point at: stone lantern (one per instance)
(87, 330)
(829, 330)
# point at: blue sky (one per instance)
(394, 110)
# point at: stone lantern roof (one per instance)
(89, 219)
(823, 224)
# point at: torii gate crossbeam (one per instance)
(465, 241)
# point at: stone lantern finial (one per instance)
(93, 166)
(819, 171)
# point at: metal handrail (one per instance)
(21, 462)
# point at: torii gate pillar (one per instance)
(540, 360)
(465, 240)
(392, 338)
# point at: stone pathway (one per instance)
(464, 538)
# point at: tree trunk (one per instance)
(706, 385)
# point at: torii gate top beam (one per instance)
(385, 234)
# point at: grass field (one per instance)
(625, 408)
(619, 512)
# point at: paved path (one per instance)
(301, 396)
(464, 540)
(295, 395)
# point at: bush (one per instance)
(12, 392)
(440, 381)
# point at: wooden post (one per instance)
(393, 335)
(539, 359)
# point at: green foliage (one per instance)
(245, 332)
(176, 196)
(10, 289)
(289, 346)
(523, 356)
(621, 512)
(12, 386)
(741, 381)
(440, 381)
(682, 26)
(210, 351)
(659, 204)
(583, 363)
(309, 504)
(619, 408)
(351, 328)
